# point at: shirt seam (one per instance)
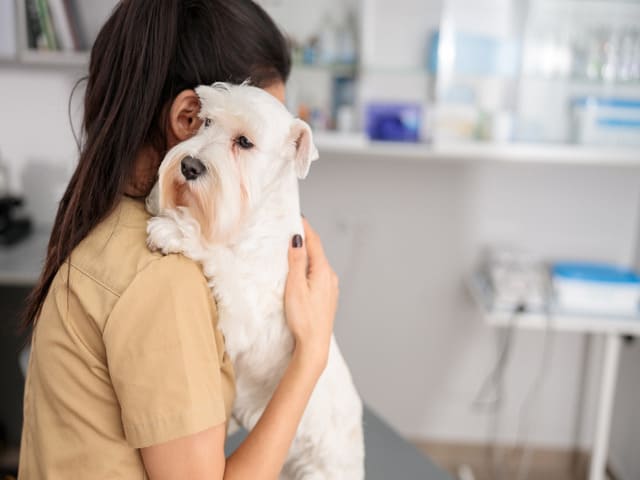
(110, 289)
(95, 280)
(143, 430)
(191, 412)
(147, 265)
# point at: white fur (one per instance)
(244, 257)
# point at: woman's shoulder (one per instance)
(171, 269)
(115, 253)
(168, 292)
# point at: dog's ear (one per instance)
(306, 151)
(207, 95)
(212, 96)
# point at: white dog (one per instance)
(228, 198)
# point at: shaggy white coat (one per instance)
(237, 220)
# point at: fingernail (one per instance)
(302, 215)
(296, 242)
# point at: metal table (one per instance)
(610, 328)
(387, 455)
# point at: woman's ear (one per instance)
(183, 117)
(306, 151)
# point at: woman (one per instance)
(128, 377)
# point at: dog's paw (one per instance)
(164, 235)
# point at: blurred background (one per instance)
(478, 193)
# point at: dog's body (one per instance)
(245, 260)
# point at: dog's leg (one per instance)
(174, 232)
(164, 235)
(329, 443)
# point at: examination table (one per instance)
(387, 455)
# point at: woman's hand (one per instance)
(311, 298)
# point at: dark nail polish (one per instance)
(296, 241)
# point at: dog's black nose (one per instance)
(191, 168)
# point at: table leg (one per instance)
(609, 376)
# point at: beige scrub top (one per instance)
(128, 356)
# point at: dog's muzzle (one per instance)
(191, 168)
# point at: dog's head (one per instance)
(247, 143)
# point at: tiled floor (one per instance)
(544, 464)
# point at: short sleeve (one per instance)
(162, 355)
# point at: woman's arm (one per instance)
(310, 305)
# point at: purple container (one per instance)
(394, 122)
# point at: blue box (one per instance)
(396, 122)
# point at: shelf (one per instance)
(580, 82)
(333, 69)
(6, 59)
(353, 69)
(396, 71)
(45, 59)
(557, 321)
(565, 322)
(55, 59)
(354, 145)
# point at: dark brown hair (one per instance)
(147, 52)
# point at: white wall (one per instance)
(404, 236)
(35, 136)
(7, 29)
(303, 19)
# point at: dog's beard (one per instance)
(218, 201)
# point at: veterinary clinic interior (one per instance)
(477, 193)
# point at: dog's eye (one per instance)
(207, 122)
(244, 142)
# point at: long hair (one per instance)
(147, 52)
